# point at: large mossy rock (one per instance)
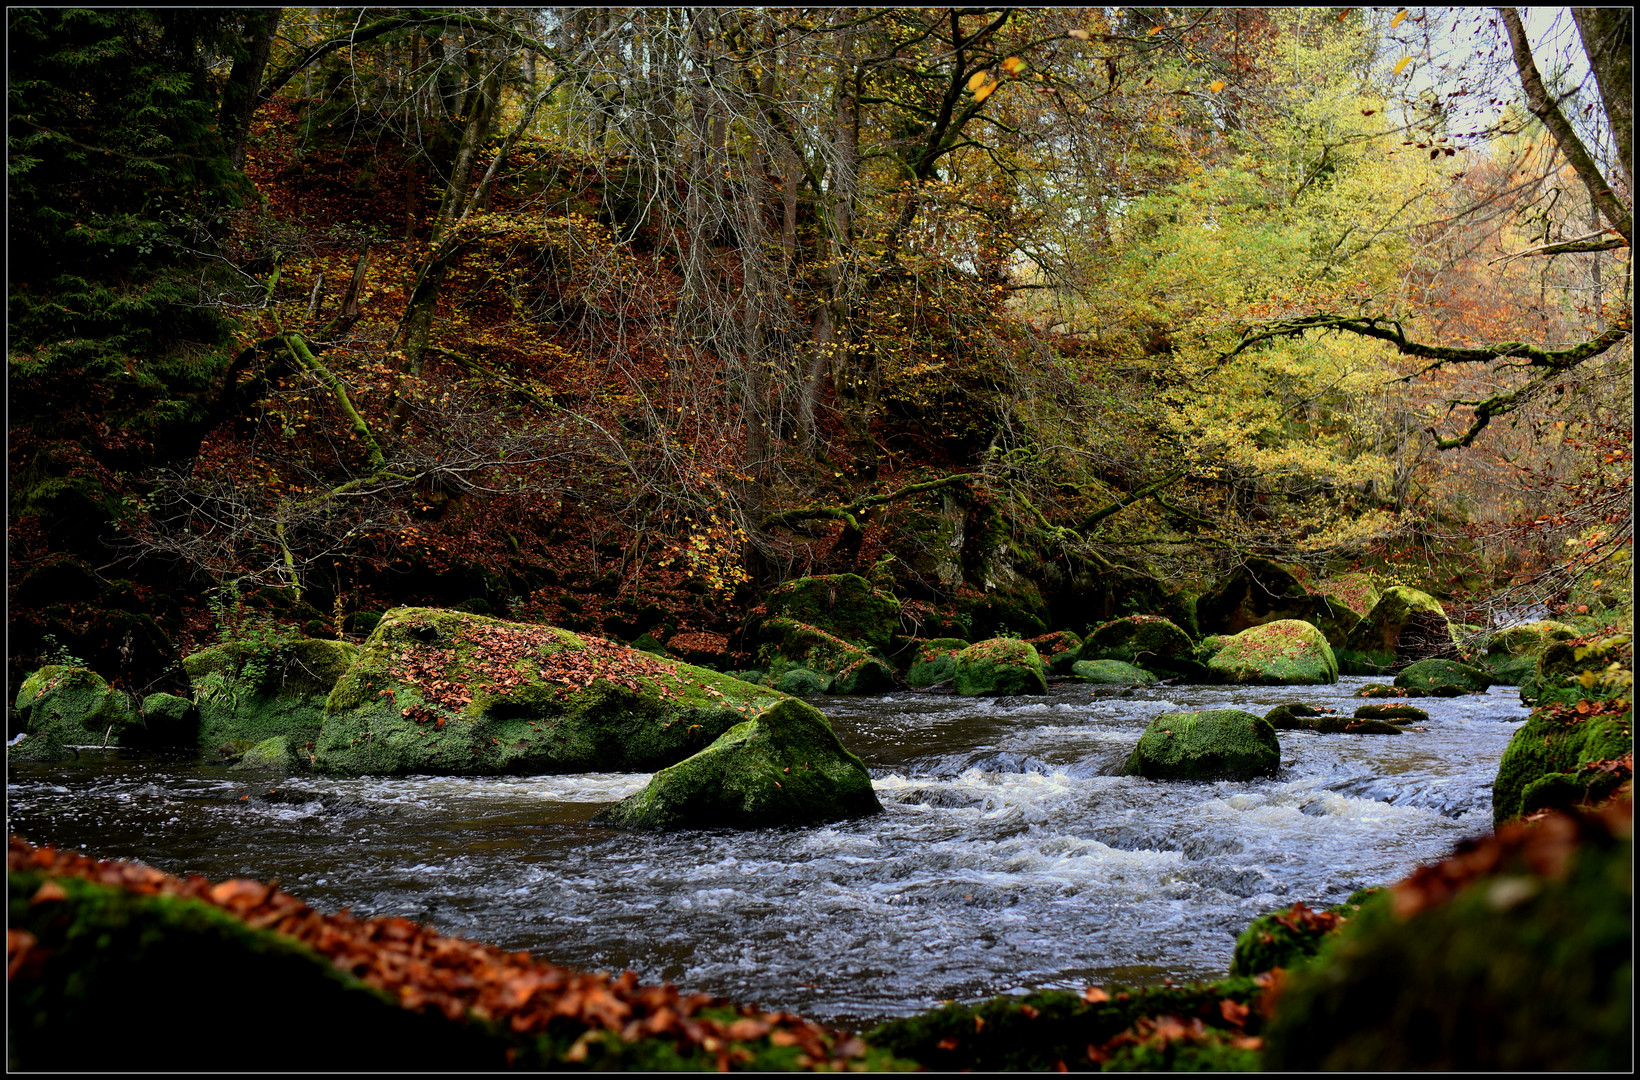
(1147, 641)
(74, 706)
(1554, 761)
(1284, 653)
(1217, 744)
(851, 670)
(1559, 667)
(1058, 650)
(1443, 678)
(784, 768)
(1526, 968)
(1290, 938)
(1512, 653)
(935, 661)
(1406, 625)
(844, 605)
(1259, 592)
(1112, 673)
(1356, 593)
(999, 666)
(249, 692)
(436, 691)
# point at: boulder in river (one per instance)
(785, 767)
(1112, 673)
(999, 666)
(851, 669)
(1216, 744)
(439, 691)
(842, 604)
(1283, 653)
(801, 682)
(934, 661)
(1058, 650)
(1395, 714)
(74, 706)
(249, 692)
(1512, 653)
(1405, 625)
(1147, 641)
(1443, 678)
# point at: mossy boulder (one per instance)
(844, 605)
(1216, 744)
(786, 767)
(1283, 653)
(74, 706)
(1356, 592)
(999, 666)
(251, 691)
(1291, 937)
(934, 661)
(1526, 968)
(1406, 625)
(1256, 592)
(791, 644)
(1402, 714)
(437, 691)
(1441, 678)
(1559, 666)
(1058, 650)
(1112, 673)
(275, 755)
(1291, 716)
(801, 682)
(1554, 760)
(1147, 641)
(1529, 638)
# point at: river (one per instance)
(1009, 858)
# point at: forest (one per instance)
(655, 325)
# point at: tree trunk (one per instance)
(239, 97)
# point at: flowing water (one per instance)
(1009, 856)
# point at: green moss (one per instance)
(1356, 592)
(1147, 641)
(1053, 1029)
(1405, 625)
(116, 976)
(1283, 653)
(934, 661)
(1289, 717)
(1403, 713)
(785, 767)
(845, 605)
(1516, 973)
(1058, 650)
(999, 666)
(447, 692)
(73, 706)
(1432, 676)
(791, 644)
(1217, 744)
(1112, 672)
(801, 682)
(1559, 665)
(273, 755)
(1292, 936)
(1543, 765)
(1528, 639)
(254, 691)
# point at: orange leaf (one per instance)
(1013, 65)
(1154, 30)
(985, 91)
(1216, 85)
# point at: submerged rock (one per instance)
(1404, 714)
(1284, 653)
(440, 691)
(1217, 744)
(999, 666)
(785, 767)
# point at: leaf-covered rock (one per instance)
(1216, 744)
(791, 644)
(999, 666)
(1283, 653)
(440, 691)
(1404, 714)
(1147, 641)
(784, 768)
(934, 661)
(1291, 937)
(1441, 678)
(1058, 650)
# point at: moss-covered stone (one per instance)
(845, 605)
(1147, 641)
(1217, 744)
(1405, 714)
(1548, 763)
(852, 670)
(785, 767)
(1520, 971)
(1384, 690)
(39, 748)
(253, 691)
(1434, 677)
(74, 706)
(1112, 673)
(275, 755)
(1405, 625)
(1292, 936)
(1207, 646)
(801, 682)
(1559, 665)
(1058, 650)
(647, 642)
(934, 661)
(1290, 716)
(999, 666)
(1284, 653)
(439, 691)
(1355, 592)
(1256, 592)
(1529, 638)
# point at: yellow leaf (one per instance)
(1393, 23)
(985, 91)
(1080, 35)
(977, 80)
(1216, 85)
(1401, 63)
(1154, 30)
(1013, 65)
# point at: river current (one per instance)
(1009, 857)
